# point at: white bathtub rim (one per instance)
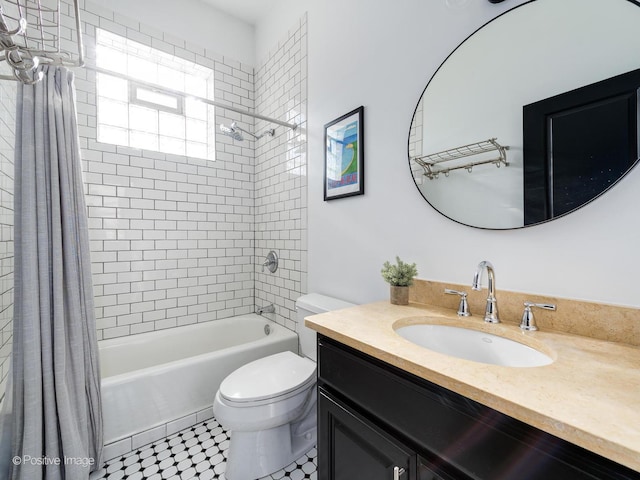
(277, 330)
(143, 337)
(184, 362)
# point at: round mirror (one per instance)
(533, 116)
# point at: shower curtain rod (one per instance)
(292, 126)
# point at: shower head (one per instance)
(235, 132)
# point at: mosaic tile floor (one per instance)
(196, 453)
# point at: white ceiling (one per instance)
(249, 11)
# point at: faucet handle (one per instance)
(528, 323)
(271, 262)
(463, 307)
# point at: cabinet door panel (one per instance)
(350, 447)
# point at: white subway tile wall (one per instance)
(415, 133)
(415, 142)
(7, 139)
(173, 238)
(281, 175)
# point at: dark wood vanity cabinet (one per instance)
(378, 422)
(358, 448)
(355, 448)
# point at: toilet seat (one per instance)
(275, 377)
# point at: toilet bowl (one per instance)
(269, 405)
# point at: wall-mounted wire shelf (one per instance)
(37, 32)
(432, 164)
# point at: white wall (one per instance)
(193, 21)
(381, 55)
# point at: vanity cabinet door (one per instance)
(350, 447)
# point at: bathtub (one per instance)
(153, 378)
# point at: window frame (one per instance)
(134, 99)
(199, 135)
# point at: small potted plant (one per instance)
(400, 277)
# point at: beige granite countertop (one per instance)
(589, 395)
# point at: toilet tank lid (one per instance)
(317, 303)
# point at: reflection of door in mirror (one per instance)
(578, 144)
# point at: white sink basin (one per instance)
(474, 345)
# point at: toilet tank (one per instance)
(312, 304)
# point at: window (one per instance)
(136, 114)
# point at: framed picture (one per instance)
(344, 156)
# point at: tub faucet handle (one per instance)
(271, 262)
(528, 323)
(463, 307)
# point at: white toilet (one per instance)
(269, 405)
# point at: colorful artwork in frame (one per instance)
(344, 156)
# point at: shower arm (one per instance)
(270, 132)
(292, 126)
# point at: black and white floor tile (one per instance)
(196, 453)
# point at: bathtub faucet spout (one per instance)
(266, 309)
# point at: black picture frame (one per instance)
(344, 156)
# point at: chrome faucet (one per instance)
(463, 306)
(266, 309)
(528, 323)
(491, 311)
